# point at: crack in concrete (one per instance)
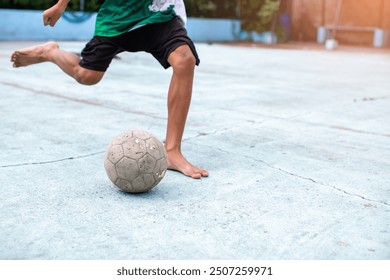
(201, 134)
(365, 99)
(301, 177)
(337, 127)
(85, 101)
(320, 183)
(51, 161)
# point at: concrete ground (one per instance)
(297, 144)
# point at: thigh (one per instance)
(98, 53)
(168, 38)
(158, 39)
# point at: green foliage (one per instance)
(26, 4)
(258, 15)
(212, 8)
(255, 15)
(195, 8)
(90, 5)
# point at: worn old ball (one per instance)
(135, 161)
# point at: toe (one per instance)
(196, 176)
(202, 172)
(14, 56)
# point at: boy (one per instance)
(155, 27)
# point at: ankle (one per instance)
(172, 149)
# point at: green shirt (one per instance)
(116, 17)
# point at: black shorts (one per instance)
(159, 39)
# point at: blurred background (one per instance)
(351, 22)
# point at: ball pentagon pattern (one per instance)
(135, 161)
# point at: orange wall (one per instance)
(308, 15)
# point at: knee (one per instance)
(183, 61)
(88, 77)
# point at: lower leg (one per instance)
(50, 52)
(179, 98)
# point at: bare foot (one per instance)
(32, 55)
(177, 162)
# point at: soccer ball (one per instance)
(135, 161)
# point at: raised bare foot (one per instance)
(32, 55)
(177, 162)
